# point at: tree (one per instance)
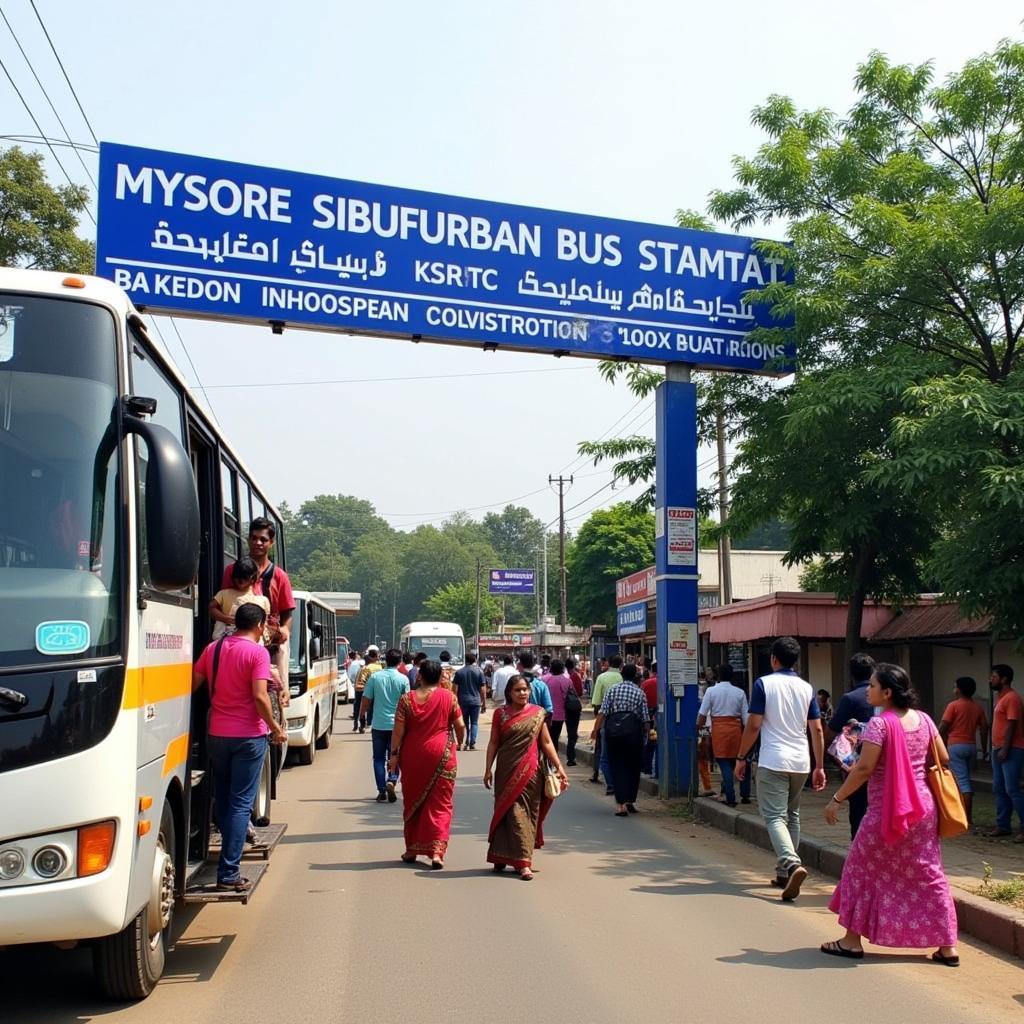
(325, 569)
(907, 223)
(330, 517)
(37, 220)
(456, 602)
(612, 543)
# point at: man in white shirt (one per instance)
(725, 705)
(783, 708)
(500, 678)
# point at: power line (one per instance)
(580, 458)
(390, 380)
(46, 95)
(36, 139)
(64, 70)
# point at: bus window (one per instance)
(232, 534)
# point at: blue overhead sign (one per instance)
(190, 235)
(511, 581)
(631, 618)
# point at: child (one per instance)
(225, 602)
(845, 747)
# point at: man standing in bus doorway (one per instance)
(380, 701)
(272, 583)
(236, 670)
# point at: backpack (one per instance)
(624, 725)
(573, 704)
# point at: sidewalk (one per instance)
(824, 847)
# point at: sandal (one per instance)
(946, 961)
(238, 885)
(436, 864)
(632, 809)
(835, 949)
(526, 874)
(622, 814)
(498, 868)
(408, 858)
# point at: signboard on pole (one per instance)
(639, 586)
(511, 581)
(681, 525)
(194, 236)
(631, 619)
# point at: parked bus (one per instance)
(433, 638)
(120, 505)
(312, 677)
(346, 688)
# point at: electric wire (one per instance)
(46, 96)
(36, 139)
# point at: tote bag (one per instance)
(950, 808)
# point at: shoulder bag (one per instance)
(946, 793)
(552, 783)
(573, 704)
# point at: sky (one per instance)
(589, 106)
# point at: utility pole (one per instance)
(477, 634)
(724, 544)
(562, 482)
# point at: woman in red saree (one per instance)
(519, 736)
(423, 748)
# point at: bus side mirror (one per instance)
(172, 507)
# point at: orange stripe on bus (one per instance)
(156, 683)
(177, 752)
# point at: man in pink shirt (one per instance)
(236, 670)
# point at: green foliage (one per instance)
(612, 543)
(456, 602)
(37, 220)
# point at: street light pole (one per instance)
(477, 633)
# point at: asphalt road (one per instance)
(643, 918)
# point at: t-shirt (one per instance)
(787, 703)
(281, 599)
(965, 717)
(558, 687)
(365, 672)
(650, 688)
(232, 706)
(723, 700)
(355, 666)
(469, 681)
(602, 684)
(229, 600)
(385, 689)
(1008, 709)
(852, 704)
(500, 680)
(540, 694)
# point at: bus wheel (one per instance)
(324, 741)
(261, 806)
(305, 754)
(128, 965)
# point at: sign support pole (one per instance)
(676, 573)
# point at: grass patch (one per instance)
(1010, 893)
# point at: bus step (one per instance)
(267, 839)
(202, 888)
(197, 777)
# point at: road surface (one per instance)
(642, 918)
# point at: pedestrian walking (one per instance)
(893, 890)
(725, 707)
(573, 711)
(501, 677)
(236, 671)
(650, 688)
(612, 676)
(469, 684)
(423, 750)
(1007, 752)
(447, 670)
(559, 686)
(963, 724)
(539, 692)
(373, 664)
(782, 710)
(516, 769)
(381, 695)
(624, 718)
(854, 704)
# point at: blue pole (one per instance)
(676, 570)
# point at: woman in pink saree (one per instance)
(893, 890)
(519, 736)
(428, 730)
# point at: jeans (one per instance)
(572, 733)
(1006, 786)
(236, 763)
(471, 716)
(358, 718)
(555, 728)
(778, 794)
(381, 741)
(728, 769)
(962, 757)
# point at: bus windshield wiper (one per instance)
(19, 700)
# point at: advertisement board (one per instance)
(631, 619)
(511, 581)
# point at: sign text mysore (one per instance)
(193, 235)
(511, 581)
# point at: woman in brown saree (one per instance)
(519, 736)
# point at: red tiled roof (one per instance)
(927, 621)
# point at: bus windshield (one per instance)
(432, 646)
(59, 584)
(297, 647)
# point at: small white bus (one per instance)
(312, 677)
(434, 637)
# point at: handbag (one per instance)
(946, 793)
(573, 704)
(552, 783)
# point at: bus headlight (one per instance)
(12, 863)
(49, 862)
(297, 723)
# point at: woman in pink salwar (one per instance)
(893, 890)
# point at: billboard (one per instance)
(640, 586)
(631, 619)
(511, 581)
(208, 238)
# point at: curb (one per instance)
(975, 915)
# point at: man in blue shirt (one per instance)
(539, 692)
(380, 700)
(469, 690)
(854, 704)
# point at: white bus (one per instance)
(434, 637)
(312, 677)
(120, 506)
